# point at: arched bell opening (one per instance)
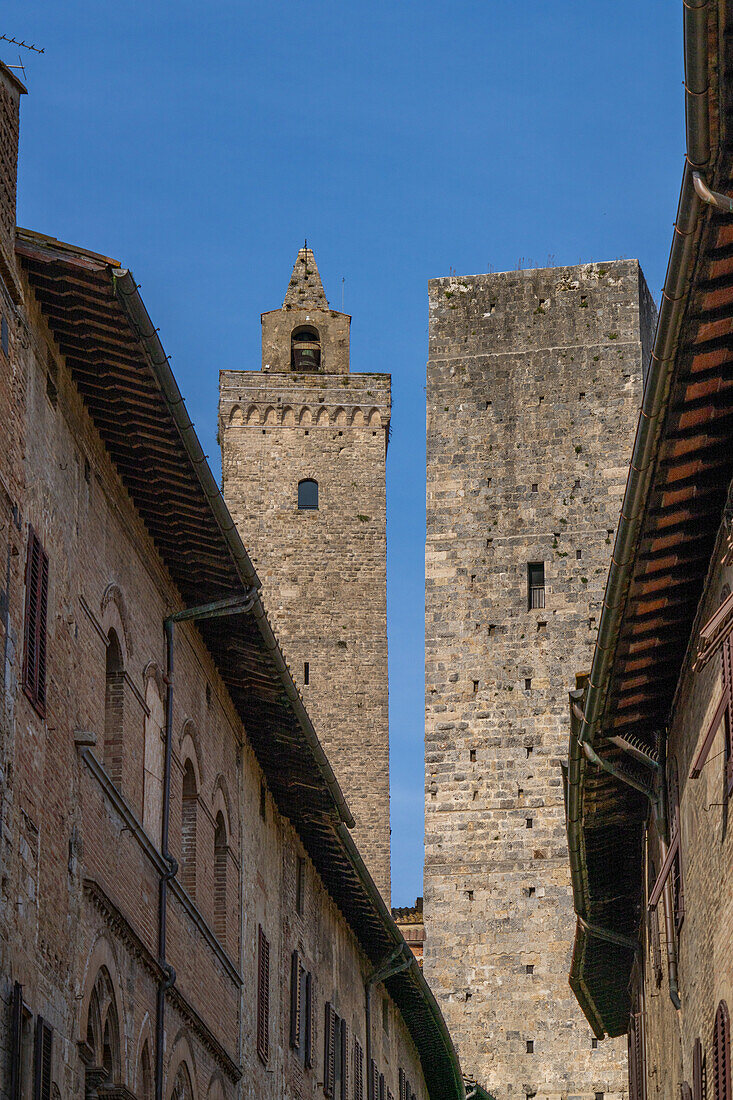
(305, 350)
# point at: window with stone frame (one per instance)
(114, 708)
(221, 856)
(189, 826)
(308, 495)
(263, 997)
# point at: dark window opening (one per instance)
(594, 1044)
(4, 334)
(472, 755)
(263, 801)
(529, 750)
(306, 672)
(531, 891)
(305, 350)
(535, 486)
(475, 685)
(527, 684)
(529, 822)
(263, 997)
(535, 584)
(308, 495)
(578, 554)
(529, 968)
(530, 1046)
(469, 895)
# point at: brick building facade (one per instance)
(533, 382)
(650, 779)
(304, 445)
(184, 913)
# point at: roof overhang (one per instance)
(675, 499)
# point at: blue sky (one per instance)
(200, 143)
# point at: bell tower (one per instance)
(304, 446)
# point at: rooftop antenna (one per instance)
(343, 282)
(26, 46)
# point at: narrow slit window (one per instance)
(308, 495)
(529, 823)
(36, 614)
(306, 672)
(535, 584)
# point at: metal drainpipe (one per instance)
(169, 974)
(393, 964)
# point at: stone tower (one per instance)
(304, 444)
(533, 389)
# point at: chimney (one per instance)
(11, 90)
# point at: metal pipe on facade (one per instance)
(169, 974)
(669, 931)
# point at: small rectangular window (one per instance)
(578, 554)
(594, 1044)
(529, 823)
(535, 487)
(306, 672)
(530, 1046)
(527, 684)
(535, 584)
(529, 750)
(300, 886)
(472, 755)
(475, 685)
(529, 968)
(4, 335)
(469, 895)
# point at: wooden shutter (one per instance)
(699, 1082)
(329, 1050)
(36, 615)
(263, 997)
(721, 1053)
(16, 1041)
(401, 1078)
(382, 1087)
(43, 1051)
(637, 1073)
(344, 1040)
(655, 946)
(308, 1037)
(727, 653)
(373, 1081)
(358, 1070)
(295, 1000)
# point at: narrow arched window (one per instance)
(145, 1073)
(308, 495)
(153, 762)
(113, 708)
(220, 878)
(722, 1053)
(305, 350)
(188, 830)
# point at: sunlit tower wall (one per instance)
(534, 382)
(304, 445)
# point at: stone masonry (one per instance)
(324, 570)
(533, 386)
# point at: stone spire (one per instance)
(305, 289)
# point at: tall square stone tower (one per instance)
(304, 445)
(534, 382)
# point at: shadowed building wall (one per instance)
(303, 460)
(533, 386)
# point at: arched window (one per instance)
(182, 1089)
(722, 1053)
(305, 350)
(113, 708)
(188, 828)
(103, 1034)
(145, 1073)
(220, 878)
(308, 495)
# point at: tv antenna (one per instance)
(26, 46)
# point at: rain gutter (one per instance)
(128, 295)
(584, 724)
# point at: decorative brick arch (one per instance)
(236, 416)
(339, 417)
(270, 416)
(216, 1089)
(253, 415)
(323, 417)
(180, 1065)
(288, 416)
(306, 416)
(375, 420)
(220, 801)
(102, 1012)
(357, 418)
(115, 617)
(189, 748)
(145, 1036)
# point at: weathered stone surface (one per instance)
(324, 571)
(533, 387)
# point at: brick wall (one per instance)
(533, 386)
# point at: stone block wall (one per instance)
(324, 571)
(533, 386)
